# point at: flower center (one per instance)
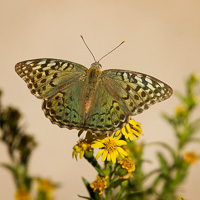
(111, 146)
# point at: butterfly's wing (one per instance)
(106, 114)
(138, 91)
(122, 94)
(60, 83)
(66, 107)
(46, 77)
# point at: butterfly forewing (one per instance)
(138, 91)
(46, 77)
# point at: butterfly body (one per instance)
(90, 99)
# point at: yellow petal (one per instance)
(121, 152)
(134, 123)
(105, 140)
(97, 145)
(113, 157)
(108, 157)
(99, 153)
(121, 143)
(117, 133)
(81, 154)
(105, 153)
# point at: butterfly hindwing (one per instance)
(65, 108)
(46, 77)
(106, 115)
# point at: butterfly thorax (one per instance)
(94, 73)
(93, 78)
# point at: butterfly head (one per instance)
(96, 65)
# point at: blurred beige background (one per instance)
(162, 40)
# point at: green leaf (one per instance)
(164, 164)
(117, 183)
(85, 197)
(155, 171)
(9, 167)
(194, 139)
(166, 146)
(95, 164)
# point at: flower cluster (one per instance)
(83, 146)
(113, 150)
(190, 157)
(129, 165)
(99, 184)
(22, 194)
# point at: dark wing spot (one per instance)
(43, 81)
(49, 104)
(140, 110)
(122, 117)
(55, 75)
(39, 76)
(141, 104)
(58, 117)
(33, 91)
(136, 97)
(53, 112)
(137, 88)
(116, 122)
(46, 72)
(35, 85)
(40, 70)
(143, 94)
(30, 85)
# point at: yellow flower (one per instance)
(180, 110)
(22, 194)
(190, 157)
(82, 146)
(110, 148)
(45, 185)
(99, 184)
(131, 130)
(128, 164)
(182, 198)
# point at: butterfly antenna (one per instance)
(111, 51)
(88, 48)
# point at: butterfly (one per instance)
(98, 101)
